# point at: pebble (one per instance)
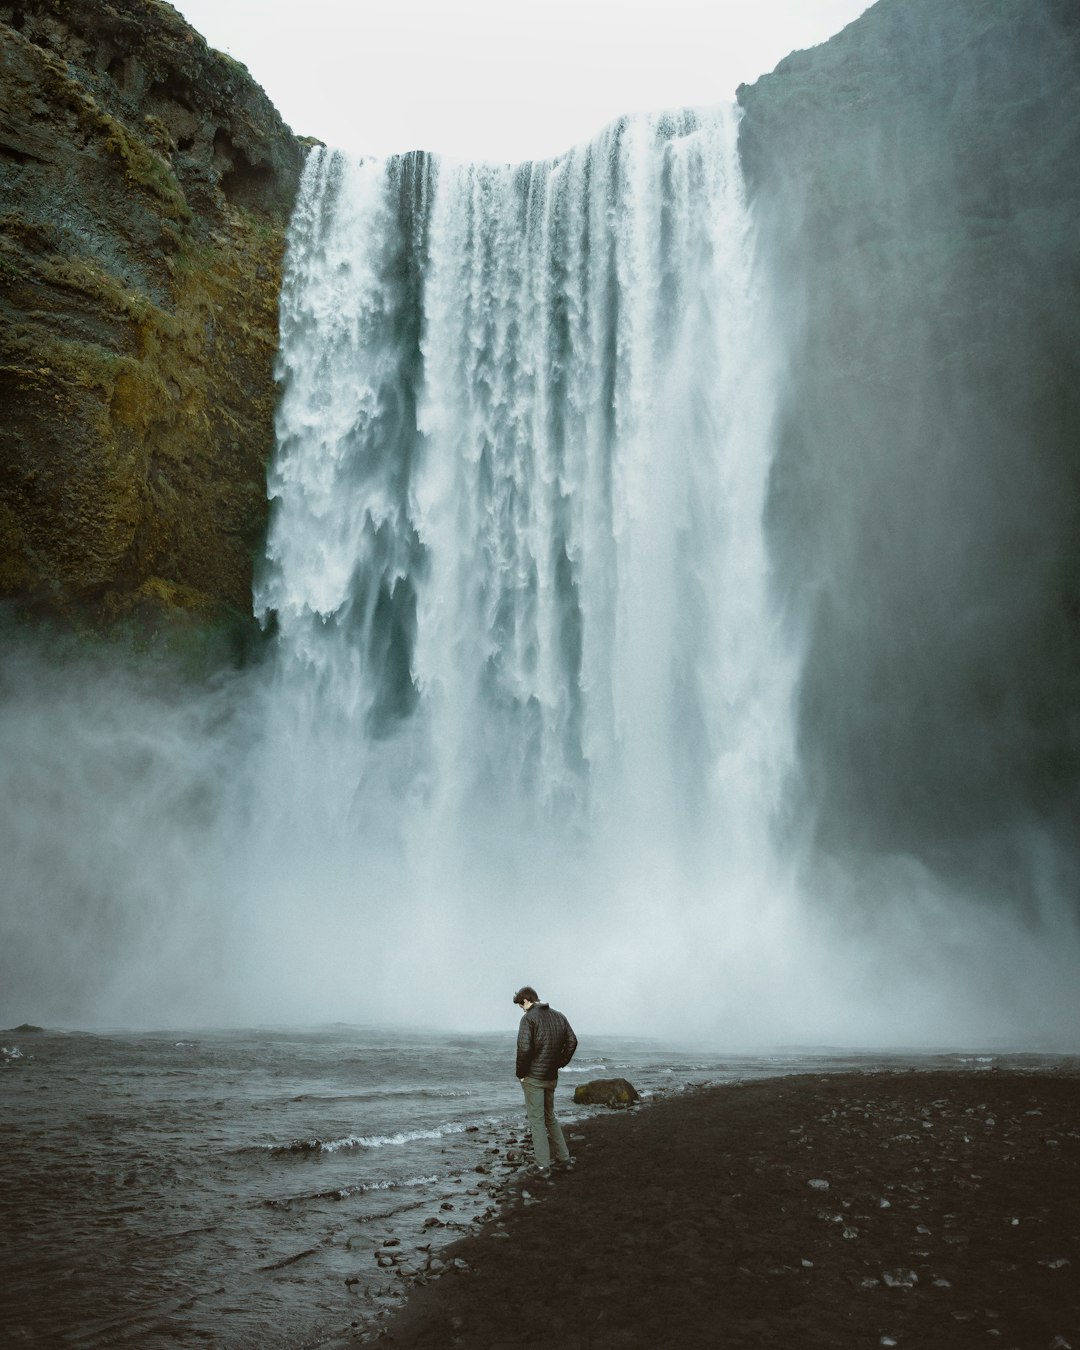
(818, 1184)
(900, 1279)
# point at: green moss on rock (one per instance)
(147, 182)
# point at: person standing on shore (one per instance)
(545, 1044)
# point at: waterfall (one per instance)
(528, 710)
(528, 662)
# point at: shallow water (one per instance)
(221, 1187)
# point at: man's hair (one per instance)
(526, 992)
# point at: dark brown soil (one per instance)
(951, 1219)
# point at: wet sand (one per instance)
(918, 1209)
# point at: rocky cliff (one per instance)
(916, 187)
(145, 183)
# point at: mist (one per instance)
(671, 601)
(154, 878)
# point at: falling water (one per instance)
(528, 713)
(530, 676)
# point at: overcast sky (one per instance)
(500, 79)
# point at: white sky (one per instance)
(500, 79)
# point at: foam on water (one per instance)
(368, 1141)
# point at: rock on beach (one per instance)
(613, 1092)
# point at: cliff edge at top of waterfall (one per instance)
(147, 182)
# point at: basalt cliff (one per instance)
(916, 188)
(145, 184)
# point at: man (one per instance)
(545, 1044)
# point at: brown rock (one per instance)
(146, 182)
(614, 1092)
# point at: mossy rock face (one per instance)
(613, 1092)
(146, 183)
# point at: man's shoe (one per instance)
(560, 1165)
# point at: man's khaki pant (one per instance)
(547, 1135)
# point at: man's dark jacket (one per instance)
(545, 1042)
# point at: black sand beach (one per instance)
(917, 1209)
